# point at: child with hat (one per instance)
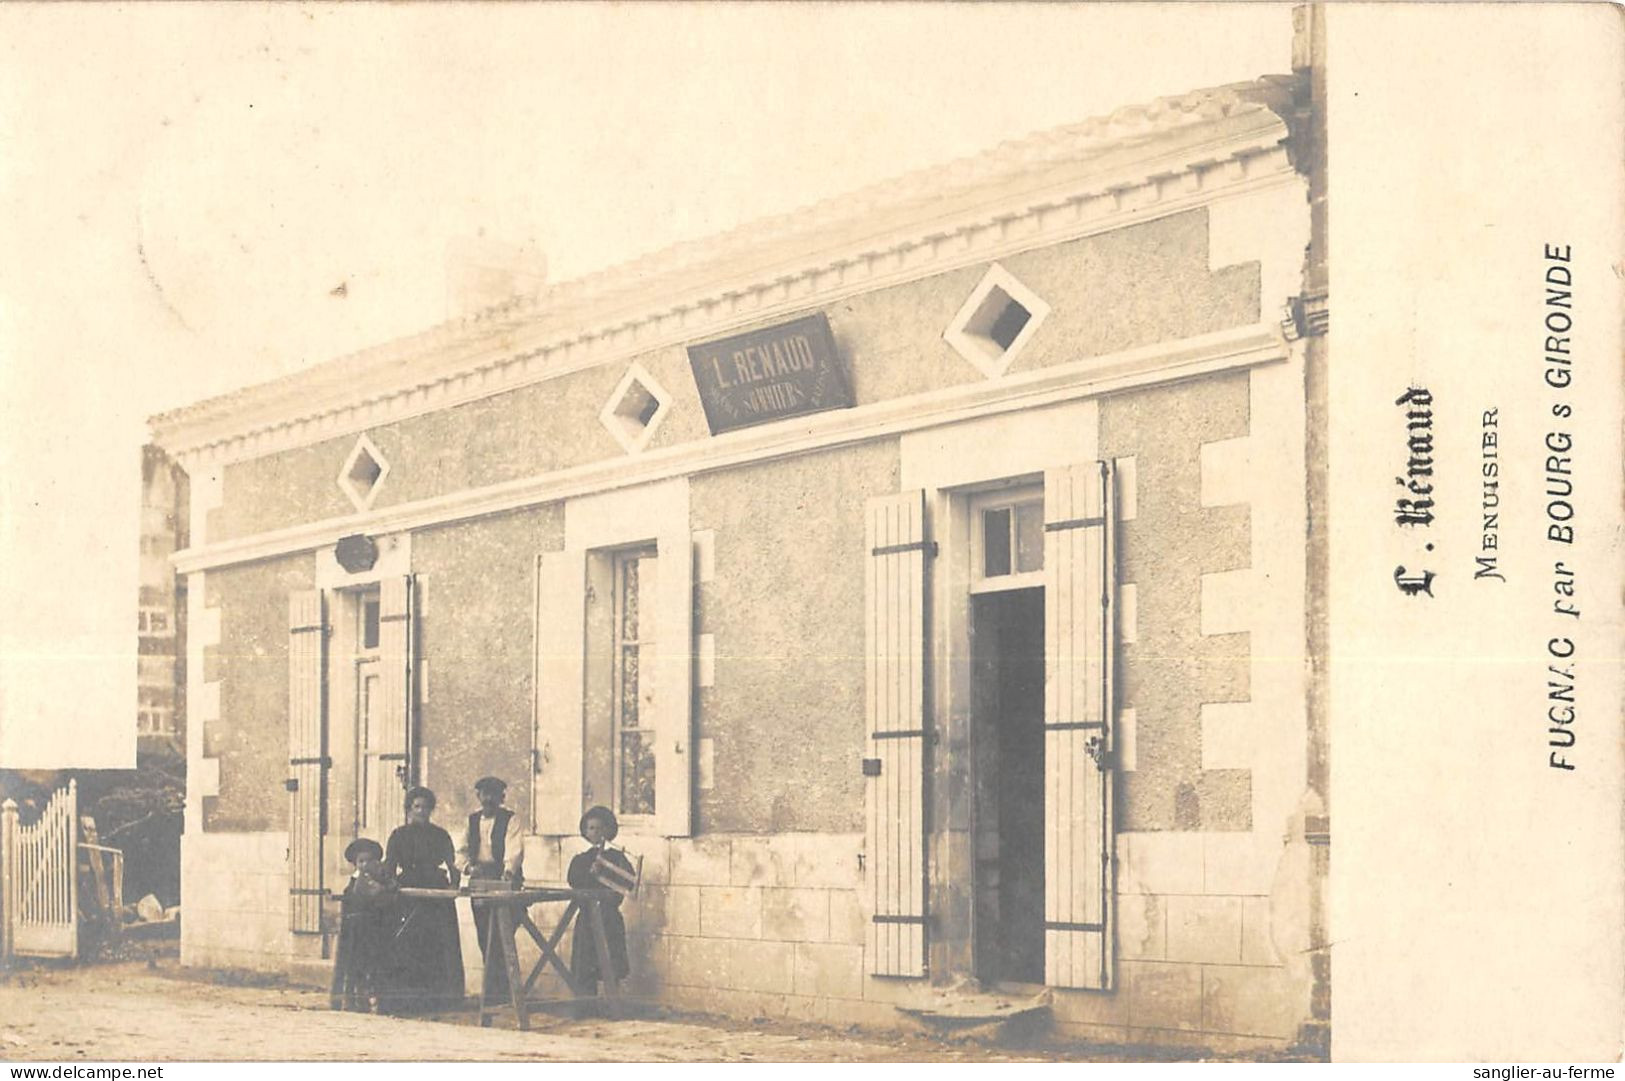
(368, 913)
(601, 866)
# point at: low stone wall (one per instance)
(234, 900)
(1207, 923)
(773, 927)
(1209, 931)
(746, 925)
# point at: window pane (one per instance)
(996, 542)
(369, 624)
(637, 773)
(633, 707)
(1030, 537)
(629, 687)
(629, 599)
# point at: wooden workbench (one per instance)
(513, 913)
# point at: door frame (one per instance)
(953, 813)
(343, 724)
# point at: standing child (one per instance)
(602, 866)
(368, 908)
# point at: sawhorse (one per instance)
(512, 913)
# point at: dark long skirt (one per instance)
(584, 951)
(363, 949)
(583, 948)
(425, 967)
(425, 960)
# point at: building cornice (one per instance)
(1138, 164)
(1228, 350)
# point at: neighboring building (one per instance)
(161, 614)
(921, 576)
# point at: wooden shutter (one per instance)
(561, 621)
(895, 657)
(1079, 520)
(674, 657)
(307, 758)
(396, 715)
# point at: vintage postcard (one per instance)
(813, 533)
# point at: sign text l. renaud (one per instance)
(769, 374)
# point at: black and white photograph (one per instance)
(981, 533)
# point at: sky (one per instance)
(184, 187)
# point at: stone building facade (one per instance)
(975, 654)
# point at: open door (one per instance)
(308, 761)
(895, 762)
(389, 720)
(1079, 525)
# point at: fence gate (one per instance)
(41, 891)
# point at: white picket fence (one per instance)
(39, 889)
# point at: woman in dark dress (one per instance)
(588, 872)
(427, 959)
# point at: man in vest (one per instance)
(491, 849)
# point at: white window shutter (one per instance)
(894, 619)
(560, 680)
(307, 758)
(674, 693)
(395, 718)
(1079, 567)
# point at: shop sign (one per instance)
(781, 371)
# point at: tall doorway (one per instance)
(1023, 876)
(1007, 654)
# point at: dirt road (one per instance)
(152, 1010)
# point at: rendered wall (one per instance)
(1172, 668)
(249, 737)
(1133, 286)
(785, 714)
(476, 590)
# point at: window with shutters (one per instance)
(614, 666)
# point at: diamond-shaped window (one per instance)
(635, 409)
(363, 473)
(996, 322)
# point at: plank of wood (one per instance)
(99, 876)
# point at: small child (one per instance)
(368, 906)
(601, 866)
